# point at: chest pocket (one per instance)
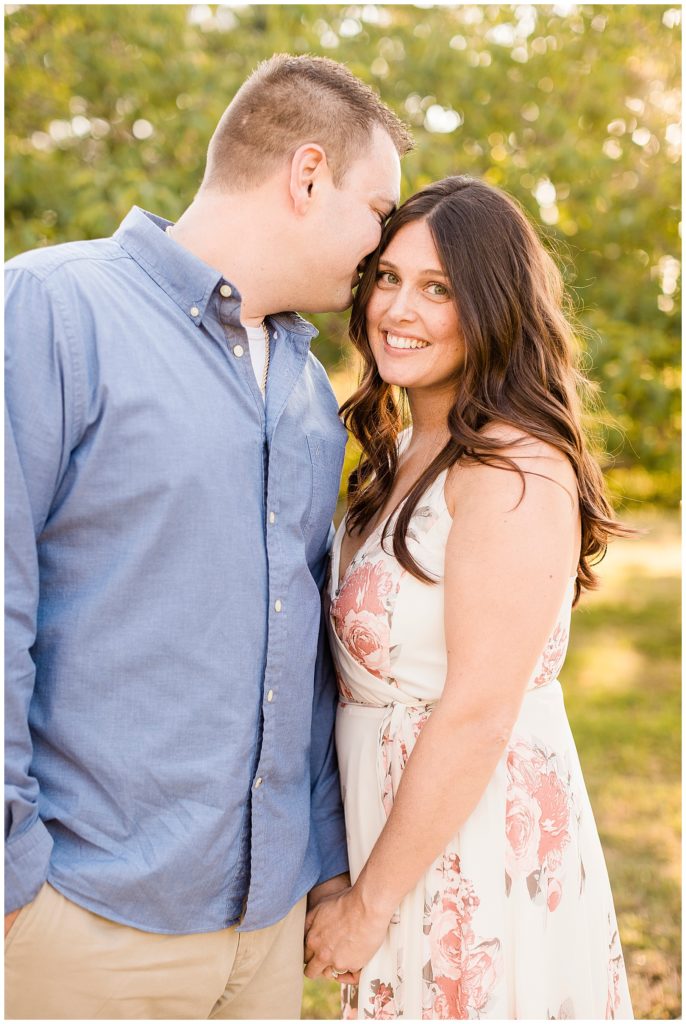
(326, 457)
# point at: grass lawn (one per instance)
(623, 694)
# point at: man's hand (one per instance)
(340, 933)
(10, 919)
(328, 888)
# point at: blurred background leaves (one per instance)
(572, 109)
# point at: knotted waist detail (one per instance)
(399, 725)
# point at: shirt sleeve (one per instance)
(37, 428)
(328, 821)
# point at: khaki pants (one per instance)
(66, 963)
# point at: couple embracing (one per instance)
(212, 776)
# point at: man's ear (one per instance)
(308, 166)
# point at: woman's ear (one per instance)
(309, 167)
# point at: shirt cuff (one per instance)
(333, 848)
(27, 857)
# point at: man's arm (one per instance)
(328, 822)
(38, 428)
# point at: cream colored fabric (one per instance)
(515, 919)
(64, 962)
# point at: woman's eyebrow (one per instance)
(431, 271)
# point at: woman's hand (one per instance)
(342, 935)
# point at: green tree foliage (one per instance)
(572, 109)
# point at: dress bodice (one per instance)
(387, 627)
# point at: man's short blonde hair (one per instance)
(286, 102)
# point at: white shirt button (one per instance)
(194, 311)
(238, 351)
(270, 697)
(272, 517)
(258, 783)
(277, 605)
(226, 291)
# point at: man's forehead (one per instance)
(377, 169)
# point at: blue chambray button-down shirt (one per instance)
(170, 759)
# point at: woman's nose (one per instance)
(401, 307)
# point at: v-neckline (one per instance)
(404, 439)
(340, 579)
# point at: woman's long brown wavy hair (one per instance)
(520, 365)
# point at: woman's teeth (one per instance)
(394, 341)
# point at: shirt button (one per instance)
(225, 290)
(238, 351)
(277, 605)
(194, 311)
(258, 783)
(272, 517)
(270, 697)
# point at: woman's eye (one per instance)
(438, 289)
(386, 277)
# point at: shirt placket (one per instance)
(277, 620)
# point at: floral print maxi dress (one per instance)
(515, 918)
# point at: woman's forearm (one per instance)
(445, 777)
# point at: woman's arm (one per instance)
(507, 567)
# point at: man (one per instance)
(173, 461)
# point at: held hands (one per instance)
(341, 937)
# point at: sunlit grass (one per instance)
(622, 690)
(623, 697)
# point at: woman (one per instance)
(480, 888)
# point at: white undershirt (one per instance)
(258, 351)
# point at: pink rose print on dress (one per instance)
(368, 638)
(382, 1002)
(366, 587)
(461, 972)
(361, 617)
(394, 757)
(482, 973)
(523, 815)
(553, 801)
(446, 941)
(553, 656)
(455, 996)
(419, 722)
(525, 764)
(538, 811)
(435, 1005)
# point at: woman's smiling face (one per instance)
(412, 322)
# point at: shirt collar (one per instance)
(185, 278)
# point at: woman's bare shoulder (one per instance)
(536, 458)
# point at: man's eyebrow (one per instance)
(386, 200)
